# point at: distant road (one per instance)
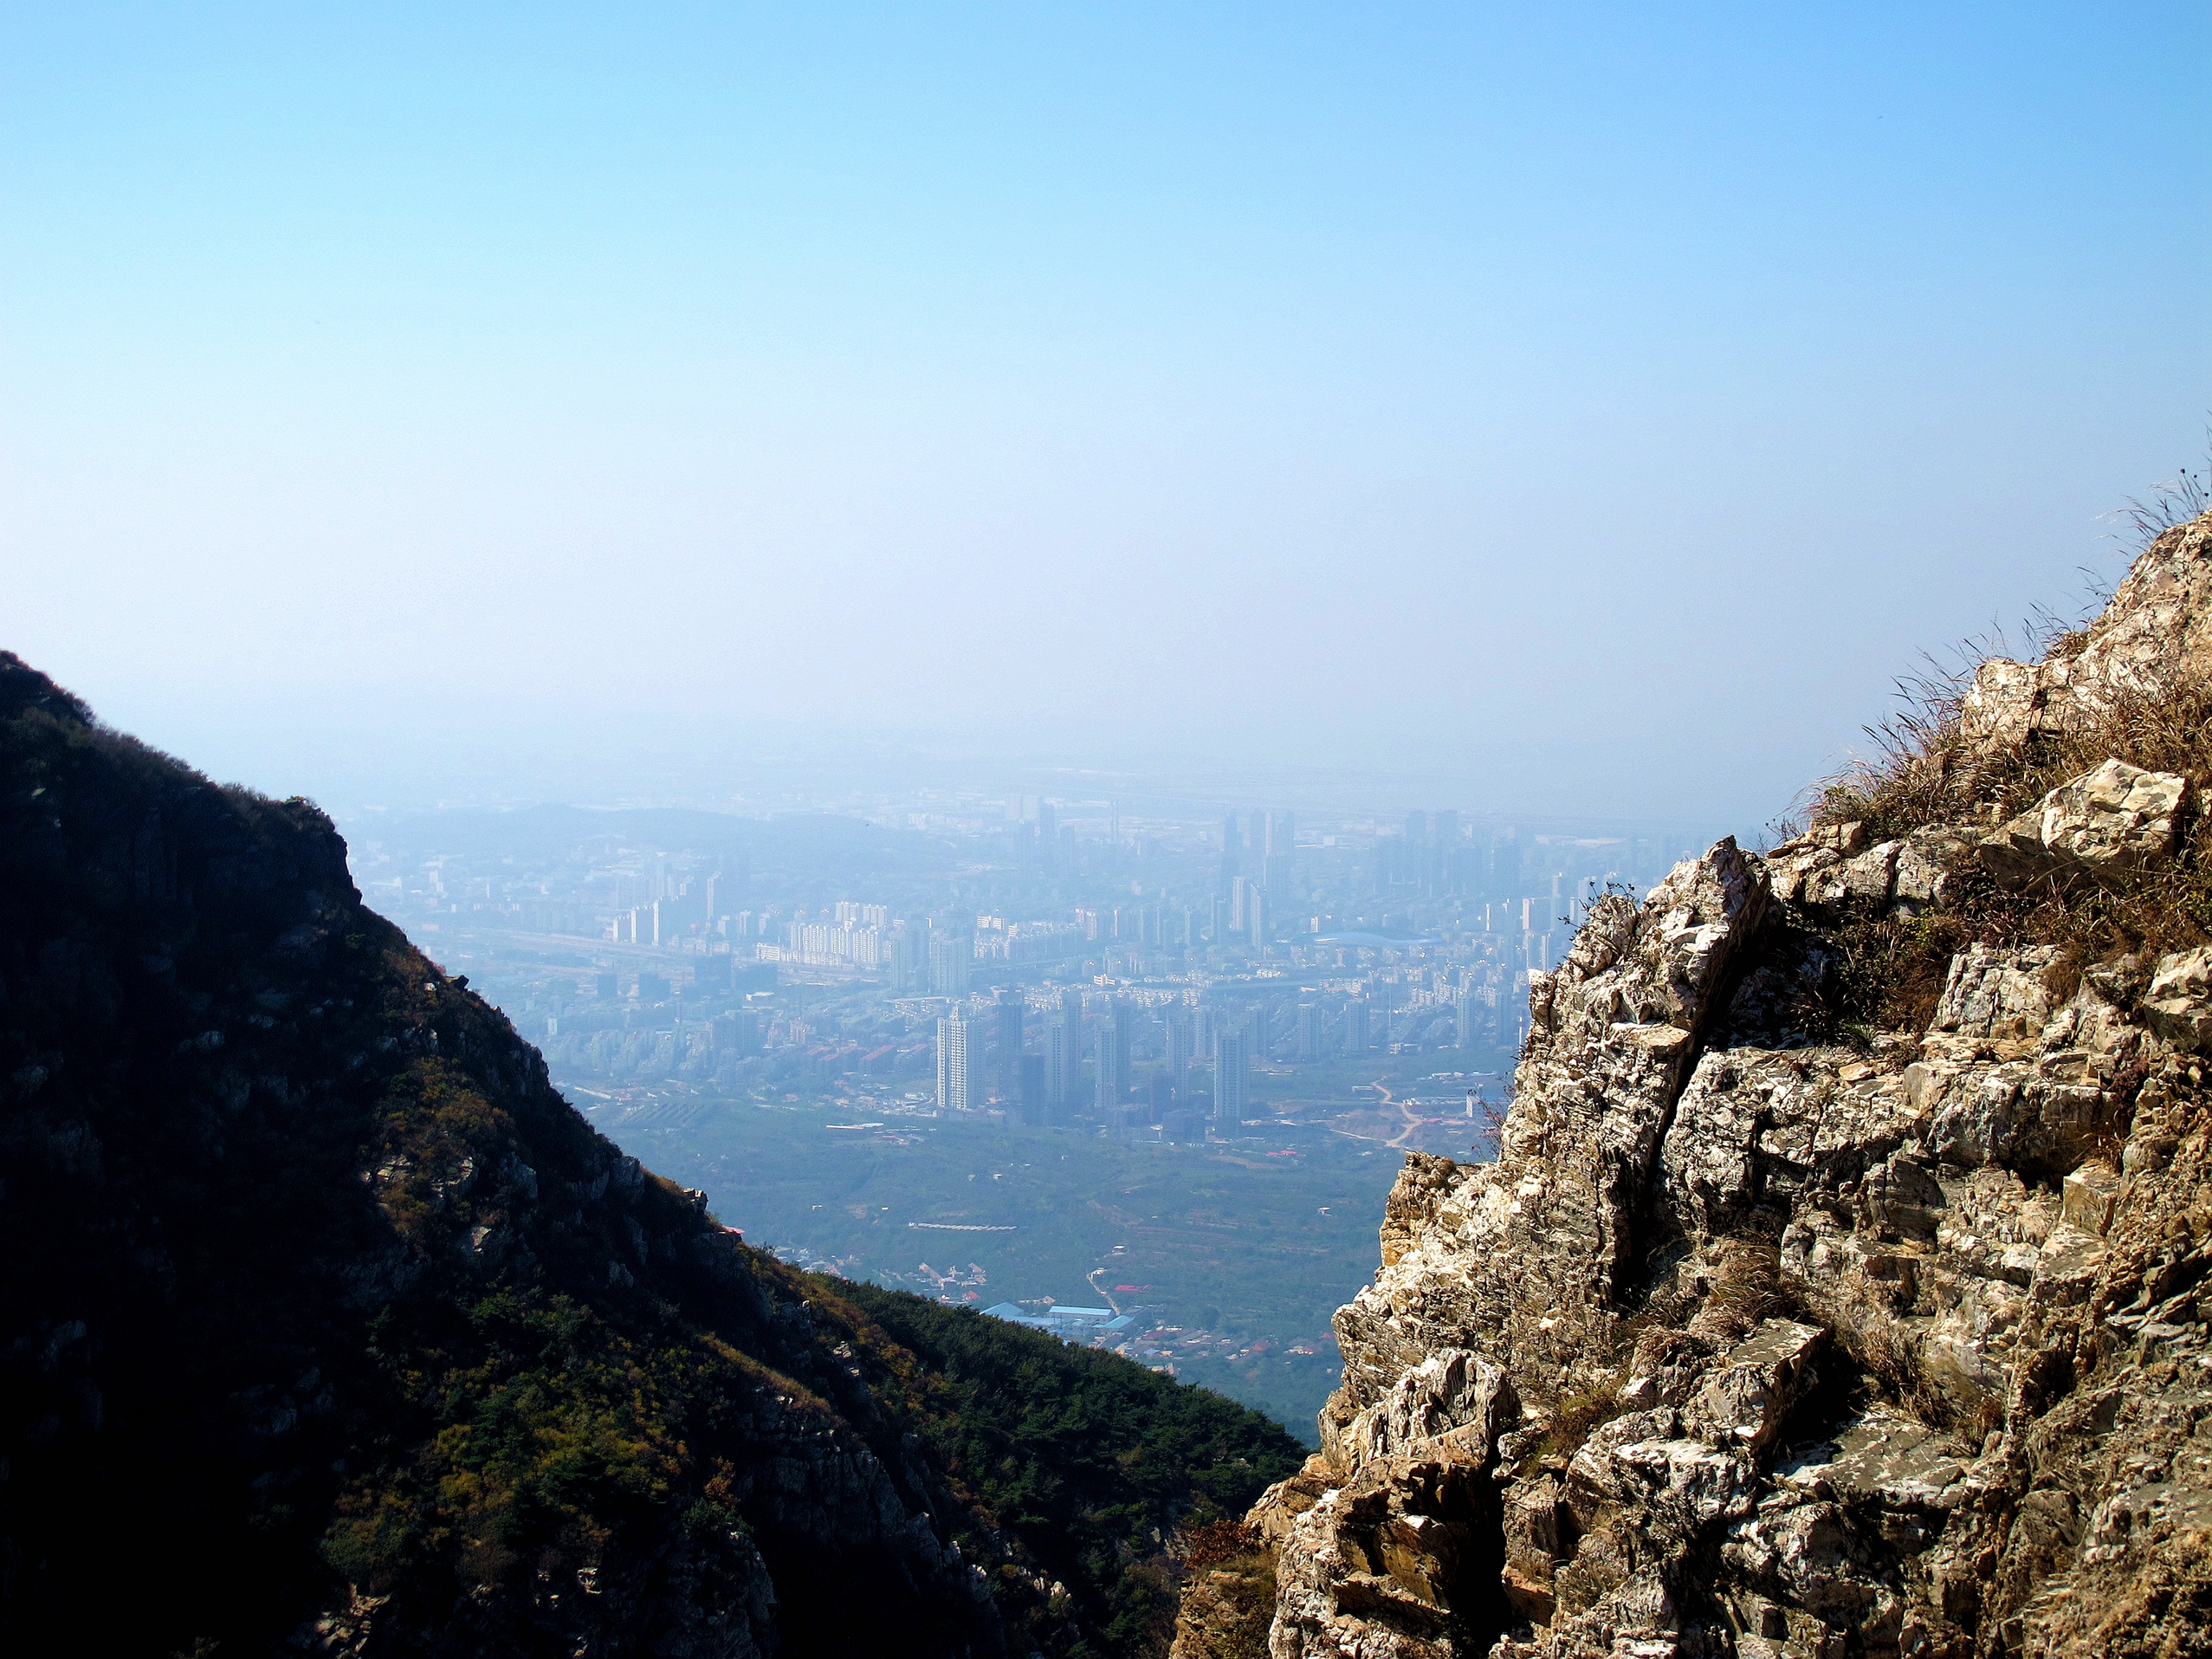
(1414, 1120)
(1093, 1277)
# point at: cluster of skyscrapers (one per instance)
(1048, 1084)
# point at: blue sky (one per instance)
(1597, 404)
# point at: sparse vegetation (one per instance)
(1929, 772)
(1232, 1603)
(1572, 1418)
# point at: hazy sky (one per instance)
(1597, 404)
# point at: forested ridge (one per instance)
(1092, 1463)
(330, 1327)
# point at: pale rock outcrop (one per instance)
(1834, 872)
(1754, 1128)
(1754, 1342)
(2179, 1007)
(2114, 822)
(1530, 1252)
(2156, 629)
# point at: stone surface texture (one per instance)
(2158, 625)
(2117, 820)
(1753, 1344)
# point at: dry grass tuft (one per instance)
(1571, 1421)
(1926, 773)
(1215, 1541)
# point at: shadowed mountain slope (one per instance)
(328, 1326)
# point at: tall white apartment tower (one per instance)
(956, 1089)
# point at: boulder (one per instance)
(1452, 1394)
(1386, 1566)
(2105, 826)
(1924, 862)
(1742, 1408)
(1757, 1127)
(2087, 1195)
(2179, 1005)
(1998, 994)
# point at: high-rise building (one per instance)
(1183, 1124)
(1466, 1011)
(1256, 1043)
(1105, 1079)
(1358, 1031)
(1048, 835)
(1276, 871)
(1310, 1032)
(1416, 829)
(1177, 1045)
(1445, 828)
(1066, 1087)
(955, 1065)
(1231, 1077)
(1028, 1101)
(1055, 1067)
(908, 964)
(1009, 1011)
(952, 961)
(1113, 1057)
(1256, 916)
(1241, 890)
(737, 1034)
(1505, 867)
(1124, 1022)
(1163, 1095)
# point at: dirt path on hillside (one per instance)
(1397, 1142)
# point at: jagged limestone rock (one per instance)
(2158, 628)
(2114, 822)
(1893, 1347)
(1831, 873)
(2179, 1007)
(1755, 1127)
(1400, 1562)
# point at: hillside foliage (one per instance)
(323, 1304)
(1090, 1463)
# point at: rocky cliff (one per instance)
(328, 1327)
(1838, 1285)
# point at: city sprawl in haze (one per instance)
(1028, 1051)
(1105, 832)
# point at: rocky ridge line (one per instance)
(1755, 1342)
